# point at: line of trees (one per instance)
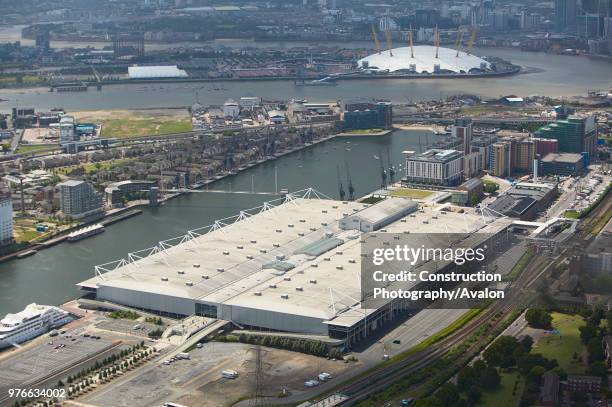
(308, 346)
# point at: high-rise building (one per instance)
(367, 115)
(435, 167)
(565, 15)
(463, 130)
(544, 146)
(6, 219)
(524, 155)
(79, 199)
(575, 135)
(500, 162)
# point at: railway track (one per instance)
(382, 378)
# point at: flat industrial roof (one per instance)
(225, 265)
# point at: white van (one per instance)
(229, 374)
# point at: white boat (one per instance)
(85, 232)
(33, 321)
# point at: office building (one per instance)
(435, 167)
(115, 193)
(468, 193)
(79, 199)
(366, 115)
(563, 164)
(6, 219)
(565, 15)
(575, 134)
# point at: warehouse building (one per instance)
(379, 215)
(284, 266)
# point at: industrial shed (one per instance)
(379, 215)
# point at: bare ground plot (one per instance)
(198, 382)
(138, 123)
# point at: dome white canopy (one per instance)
(424, 60)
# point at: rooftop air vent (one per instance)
(279, 230)
(303, 220)
(253, 241)
(300, 233)
(164, 279)
(276, 245)
(299, 289)
(324, 211)
(352, 261)
(181, 272)
(226, 253)
(205, 276)
(263, 251)
(196, 265)
(290, 225)
(326, 259)
(240, 247)
(285, 296)
(249, 257)
(323, 223)
(287, 278)
(403, 220)
(257, 293)
(312, 281)
(220, 269)
(314, 265)
(335, 206)
(339, 268)
(189, 283)
(272, 286)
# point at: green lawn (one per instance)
(563, 345)
(139, 125)
(27, 148)
(520, 265)
(572, 214)
(411, 193)
(503, 396)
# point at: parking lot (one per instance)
(38, 362)
(126, 326)
(198, 381)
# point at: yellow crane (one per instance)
(389, 42)
(472, 41)
(411, 44)
(459, 40)
(376, 42)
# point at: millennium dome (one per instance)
(423, 60)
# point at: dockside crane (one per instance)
(389, 42)
(376, 42)
(340, 187)
(391, 167)
(351, 189)
(383, 173)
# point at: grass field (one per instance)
(562, 346)
(138, 123)
(411, 193)
(32, 149)
(503, 396)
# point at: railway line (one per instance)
(379, 379)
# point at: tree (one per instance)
(448, 394)
(490, 379)
(473, 395)
(538, 318)
(501, 352)
(587, 332)
(536, 373)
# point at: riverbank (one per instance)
(436, 129)
(117, 215)
(108, 219)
